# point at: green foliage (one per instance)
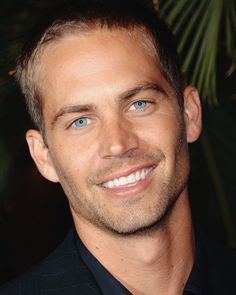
(204, 29)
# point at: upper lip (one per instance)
(126, 172)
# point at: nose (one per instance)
(118, 139)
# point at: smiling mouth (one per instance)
(130, 179)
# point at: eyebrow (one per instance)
(73, 109)
(123, 96)
(142, 87)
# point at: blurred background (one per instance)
(34, 214)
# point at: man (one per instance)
(113, 121)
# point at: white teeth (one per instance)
(137, 175)
(123, 180)
(116, 182)
(110, 184)
(130, 179)
(143, 174)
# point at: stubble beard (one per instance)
(133, 216)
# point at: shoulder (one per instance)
(219, 268)
(62, 271)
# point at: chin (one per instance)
(143, 224)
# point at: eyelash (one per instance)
(147, 103)
(80, 119)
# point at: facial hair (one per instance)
(130, 216)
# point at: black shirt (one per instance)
(110, 286)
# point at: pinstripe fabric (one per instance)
(62, 273)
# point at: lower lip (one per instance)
(130, 190)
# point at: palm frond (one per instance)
(198, 27)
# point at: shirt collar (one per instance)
(110, 286)
(194, 283)
(107, 283)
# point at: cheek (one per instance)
(75, 159)
(163, 131)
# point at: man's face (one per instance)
(116, 136)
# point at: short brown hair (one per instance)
(81, 15)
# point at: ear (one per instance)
(40, 154)
(192, 113)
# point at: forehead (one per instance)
(92, 41)
(100, 62)
(96, 30)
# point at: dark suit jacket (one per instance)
(61, 273)
(64, 273)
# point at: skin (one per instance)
(109, 113)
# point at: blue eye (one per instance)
(140, 104)
(81, 122)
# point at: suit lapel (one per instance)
(66, 274)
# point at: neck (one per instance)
(160, 260)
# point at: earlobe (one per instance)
(40, 154)
(192, 113)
